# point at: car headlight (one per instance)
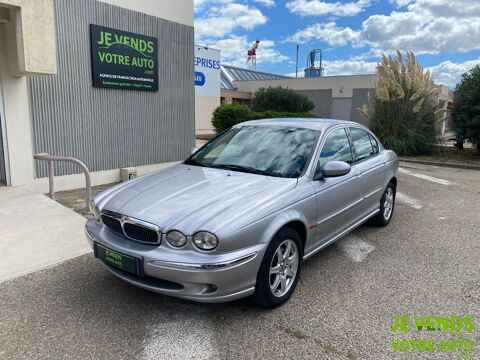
(95, 211)
(176, 238)
(205, 240)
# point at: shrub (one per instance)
(280, 99)
(466, 108)
(405, 106)
(227, 115)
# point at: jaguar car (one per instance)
(240, 215)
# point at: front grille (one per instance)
(113, 224)
(140, 233)
(129, 228)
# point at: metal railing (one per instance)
(50, 159)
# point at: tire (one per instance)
(384, 217)
(274, 289)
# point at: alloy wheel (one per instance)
(388, 204)
(283, 268)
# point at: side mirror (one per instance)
(193, 150)
(335, 168)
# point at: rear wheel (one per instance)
(280, 269)
(387, 205)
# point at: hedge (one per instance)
(281, 99)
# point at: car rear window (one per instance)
(362, 144)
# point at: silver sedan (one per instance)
(240, 215)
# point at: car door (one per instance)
(370, 167)
(337, 197)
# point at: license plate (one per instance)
(120, 261)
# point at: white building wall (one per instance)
(180, 11)
(204, 108)
(342, 86)
(17, 120)
(207, 87)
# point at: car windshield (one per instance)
(267, 150)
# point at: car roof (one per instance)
(307, 123)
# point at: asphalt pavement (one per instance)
(426, 262)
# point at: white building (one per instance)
(106, 81)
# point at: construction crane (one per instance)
(252, 54)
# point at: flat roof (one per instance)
(230, 73)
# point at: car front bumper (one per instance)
(185, 273)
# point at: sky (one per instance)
(352, 34)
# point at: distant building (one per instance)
(229, 91)
(335, 97)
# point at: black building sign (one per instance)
(123, 60)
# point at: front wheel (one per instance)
(280, 269)
(387, 205)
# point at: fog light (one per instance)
(205, 240)
(176, 238)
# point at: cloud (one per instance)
(423, 26)
(322, 8)
(234, 51)
(267, 3)
(328, 32)
(225, 19)
(344, 67)
(449, 73)
(446, 73)
(427, 27)
(349, 67)
(198, 3)
(401, 3)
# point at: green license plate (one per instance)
(120, 261)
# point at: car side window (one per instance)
(361, 144)
(374, 144)
(336, 147)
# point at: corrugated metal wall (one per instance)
(360, 97)
(105, 128)
(322, 100)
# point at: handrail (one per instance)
(50, 159)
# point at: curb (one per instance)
(444, 164)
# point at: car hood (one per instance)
(191, 198)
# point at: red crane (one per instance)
(252, 54)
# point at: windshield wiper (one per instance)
(246, 169)
(192, 162)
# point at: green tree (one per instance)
(280, 99)
(405, 106)
(466, 108)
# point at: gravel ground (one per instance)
(75, 199)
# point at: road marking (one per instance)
(407, 200)
(183, 337)
(356, 248)
(426, 177)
